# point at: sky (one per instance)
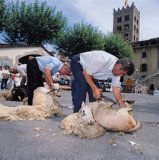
(99, 13)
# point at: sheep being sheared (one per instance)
(95, 118)
(82, 125)
(43, 95)
(112, 119)
(43, 107)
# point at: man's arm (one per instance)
(118, 97)
(96, 91)
(48, 77)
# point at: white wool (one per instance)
(95, 118)
(44, 108)
(43, 95)
(112, 119)
(77, 125)
(5, 95)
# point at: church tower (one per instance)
(126, 22)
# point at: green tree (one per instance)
(116, 45)
(32, 24)
(2, 6)
(80, 38)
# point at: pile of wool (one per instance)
(37, 112)
(7, 113)
(79, 125)
(44, 108)
(23, 112)
(5, 95)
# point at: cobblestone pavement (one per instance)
(20, 141)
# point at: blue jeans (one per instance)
(4, 83)
(79, 87)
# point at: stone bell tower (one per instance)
(126, 22)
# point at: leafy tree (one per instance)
(83, 37)
(1, 13)
(80, 38)
(116, 45)
(32, 24)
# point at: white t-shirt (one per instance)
(99, 65)
(5, 73)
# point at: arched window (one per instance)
(126, 36)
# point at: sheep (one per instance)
(82, 125)
(42, 95)
(95, 118)
(40, 110)
(16, 94)
(5, 95)
(112, 119)
(129, 103)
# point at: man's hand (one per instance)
(97, 93)
(118, 97)
(122, 104)
(51, 86)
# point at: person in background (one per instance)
(1, 76)
(43, 65)
(22, 70)
(6, 76)
(89, 67)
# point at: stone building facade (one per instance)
(126, 22)
(146, 62)
(16, 54)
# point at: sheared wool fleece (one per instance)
(5, 95)
(75, 124)
(47, 106)
(105, 116)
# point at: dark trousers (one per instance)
(35, 78)
(79, 88)
(4, 83)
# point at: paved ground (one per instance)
(19, 140)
